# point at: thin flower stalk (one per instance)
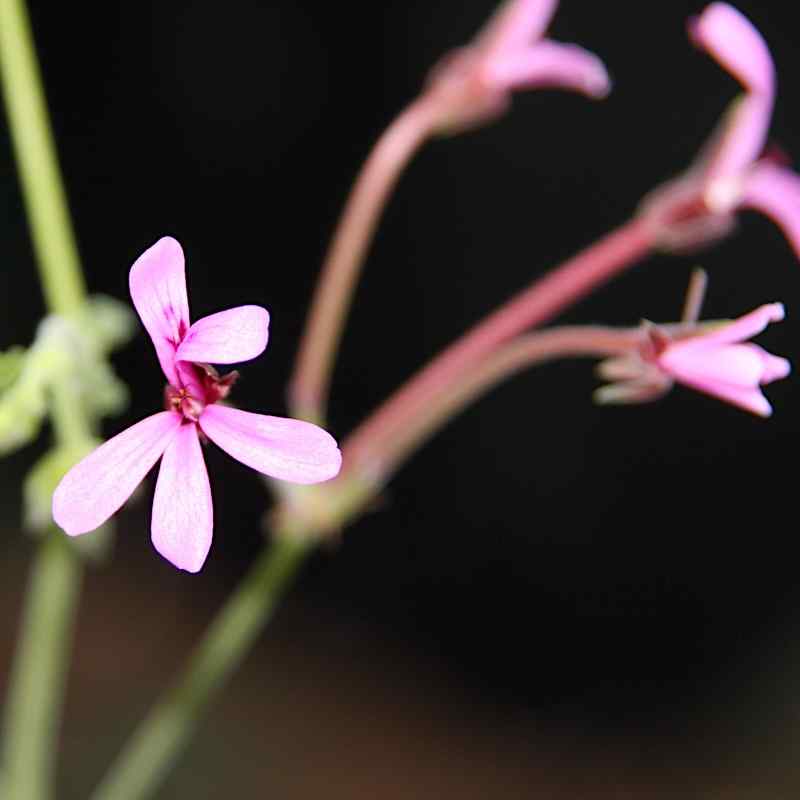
(524, 352)
(545, 298)
(36, 686)
(333, 295)
(37, 161)
(162, 736)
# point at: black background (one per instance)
(627, 573)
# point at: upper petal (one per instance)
(515, 24)
(288, 449)
(730, 38)
(227, 337)
(183, 516)
(98, 485)
(158, 288)
(737, 331)
(775, 191)
(550, 63)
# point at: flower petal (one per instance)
(183, 516)
(737, 331)
(749, 398)
(553, 64)
(158, 287)
(730, 38)
(516, 24)
(733, 364)
(97, 486)
(775, 368)
(775, 192)
(736, 143)
(288, 449)
(227, 337)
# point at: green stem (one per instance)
(36, 687)
(159, 740)
(37, 679)
(37, 162)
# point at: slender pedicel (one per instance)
(537, 304)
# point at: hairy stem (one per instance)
(308, 388)
(142, 765)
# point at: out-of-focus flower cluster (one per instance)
(68, 361)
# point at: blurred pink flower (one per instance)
(182, 518)
(730, 173)
(718, 362)
(473, 84)
(722, 364)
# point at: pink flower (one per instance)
(182, 519)
(730, 173)
(722, 364)
(719, 363)
(473, 84)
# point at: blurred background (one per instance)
(553, 600)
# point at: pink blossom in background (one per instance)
(721, 363)
(730, 173)
(473, 84)
(182, 518)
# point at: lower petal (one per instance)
(748, 398)
(288, 449)
(183, 517)
(732, 364)
(96, 487)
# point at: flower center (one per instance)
(202, 385)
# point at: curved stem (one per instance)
(37, 162)
(535, 305)
(524, 352)
(308, 388)
(159, 740)
(36, 686)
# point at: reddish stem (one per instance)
(524, 352)
(545, 298)
(308, 388)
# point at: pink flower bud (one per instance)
(473, 85)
